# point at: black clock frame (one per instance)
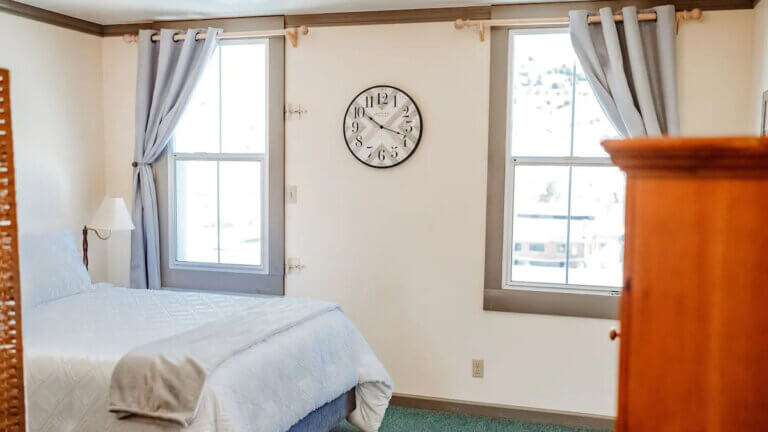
(418, 141)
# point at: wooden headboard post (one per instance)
(12, 415)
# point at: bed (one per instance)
(300, 379)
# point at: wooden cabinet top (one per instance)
(716, 153)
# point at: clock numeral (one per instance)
(355, 126)
(394, 99)
(409, 128)
(359, 141)
(369, 101)
(382, 155)
(359, 112)
(382, 99)
(406, 111)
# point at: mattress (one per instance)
(72, 345)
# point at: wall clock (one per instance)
(382, 126)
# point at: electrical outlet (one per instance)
(477, 368)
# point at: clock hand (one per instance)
(392, 130)
(375, 122)
(384, 127)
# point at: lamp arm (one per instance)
(85, 246)
(108, 235)
(85, 241)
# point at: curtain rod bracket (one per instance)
(292, 34)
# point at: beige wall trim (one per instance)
(508, 412)
(389, 17)
(48, 17)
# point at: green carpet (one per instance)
(400, 419)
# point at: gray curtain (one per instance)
(168, 71)
(631, 68)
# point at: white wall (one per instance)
(715, 74)
(56, 99)
(760, 56)
(119, 65)
(402, 249)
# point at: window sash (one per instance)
(262, 157)
(512, 161)
(174, 262)
(509, 214)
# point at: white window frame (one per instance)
(173, 262)
(509, 187)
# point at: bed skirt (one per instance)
(327, 416)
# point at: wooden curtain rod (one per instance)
(484, 25)
(292, 34)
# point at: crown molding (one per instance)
(389, 16)
(48, 17)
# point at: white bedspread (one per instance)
(73, 344)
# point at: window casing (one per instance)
(218, 170)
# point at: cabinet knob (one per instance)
(614, 334)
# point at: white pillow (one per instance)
(51, 267)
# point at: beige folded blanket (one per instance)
(165, 379)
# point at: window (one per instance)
(218, 173)
(555, 203)
(564, 201)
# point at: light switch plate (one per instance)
(291, 193)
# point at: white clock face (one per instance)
(382, 126)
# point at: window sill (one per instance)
(223, 268)
(584, 305)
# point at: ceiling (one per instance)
(131, 11)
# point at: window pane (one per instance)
(542, 94)
(540, 223)
(597, 226)
(198, 128)
(241, 213)
(196, 231)
(243, 98)
(590, 125)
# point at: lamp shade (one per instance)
(112, 215)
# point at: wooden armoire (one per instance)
(694, 311)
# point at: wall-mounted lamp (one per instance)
(112, 215)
